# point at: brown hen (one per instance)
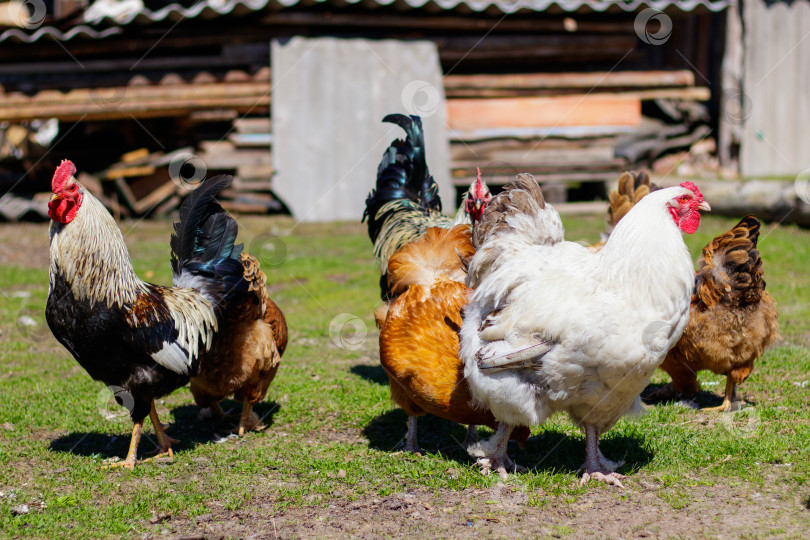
(245, 359)
(732, 317)
(419, 333)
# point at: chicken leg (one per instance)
(471, 437)
(492, 455)
(129, 462)
(597, 466)
(212, 411)
(411, 445)
(164, 441)
(249, 419)
(727, 399)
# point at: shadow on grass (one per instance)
(656, 394)
(375, 374)
(551, 449)
(560, 451)
(434, 435)
(187, 428)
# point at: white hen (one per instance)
(553, 327)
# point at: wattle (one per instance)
(690, 222)
(63, 210)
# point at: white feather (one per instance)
(173, 357)
(187, 280)
(597, 308)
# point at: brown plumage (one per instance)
(732, 317)
(438, 253)
(633, 186)
(246, 356)
(419, 333)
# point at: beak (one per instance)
(478, 204)
(705, 207)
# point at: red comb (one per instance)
(64, 171)
(692, 187)
(478, 190)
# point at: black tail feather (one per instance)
(402, 174)
(203, 242)
(205, 232)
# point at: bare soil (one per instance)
(638, 511)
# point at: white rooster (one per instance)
(553, 327)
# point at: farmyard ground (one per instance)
(327, 464)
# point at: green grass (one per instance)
(333, 429)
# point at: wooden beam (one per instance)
(696, 93)
(559, 178)
(469, 21)
(135, 101)
(582, 110)
(599, 79)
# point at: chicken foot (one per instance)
(728, 398)
(129, 462)
(164, 441)
(492, 454)
(597, 466)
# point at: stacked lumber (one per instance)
(136, 101)
(144, 183)
(246, 154)
(573, 131)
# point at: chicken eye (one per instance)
(683, 198)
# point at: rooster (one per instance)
(552, 327)
(732, 317)
(419, 334)
(245, 356)
(142, 340)
(406, 200)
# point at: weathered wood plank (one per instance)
(137, 101)
(582, 110)
(585, 80)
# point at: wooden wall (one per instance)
(774, 108)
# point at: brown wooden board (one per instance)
(582, 110)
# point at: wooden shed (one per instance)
(571, 90)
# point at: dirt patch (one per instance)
(642, 510)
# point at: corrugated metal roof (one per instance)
(16, 34)
(215, 8)
(97, 14)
